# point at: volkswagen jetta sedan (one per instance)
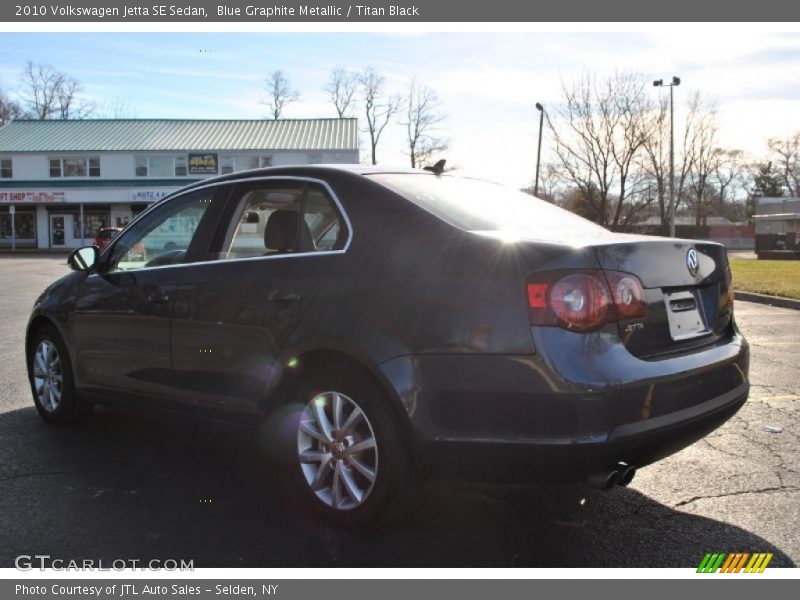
(383, 324)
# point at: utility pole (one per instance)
(660, 83)
(540, 108)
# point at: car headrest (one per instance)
(280, 232)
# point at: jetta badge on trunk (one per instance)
(692, 262)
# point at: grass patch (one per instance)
(773, 277)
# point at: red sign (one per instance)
(33, 197)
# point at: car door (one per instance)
(279, 239)
(121, 322)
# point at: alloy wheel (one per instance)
(48, 376)
(337, 450)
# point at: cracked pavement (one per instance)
(133, 485)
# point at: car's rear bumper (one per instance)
(518, 419)
(637, 444)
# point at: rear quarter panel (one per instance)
(412, 284)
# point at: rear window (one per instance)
(474, 205)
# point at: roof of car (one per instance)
(309, 171)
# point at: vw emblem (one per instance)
(692, 262)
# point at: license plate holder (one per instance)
(685, 315)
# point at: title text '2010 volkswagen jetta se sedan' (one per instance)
(398, 323)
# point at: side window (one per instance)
(163, 236)
(264, 222)
(267, 221)
(323, 221)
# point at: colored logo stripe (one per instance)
(735, 562)
(758, 563)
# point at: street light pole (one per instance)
(660, 83)
(540, 108)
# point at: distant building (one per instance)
(777, 226)
(689, 220)
(62, 180)
(735, 236)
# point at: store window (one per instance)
(75, 167)
(5, 168)
(24, 226)
(234, 164)
(92, 223)
(161, 166)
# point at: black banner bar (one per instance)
(732, 588)
(412, 11)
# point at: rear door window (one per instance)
(275, 220)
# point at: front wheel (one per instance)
(352, 460)
(52, 384)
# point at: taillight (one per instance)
(628, 295)
(584, 300)
(728, 290)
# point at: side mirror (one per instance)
(83, 259)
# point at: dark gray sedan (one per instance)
(382, 325)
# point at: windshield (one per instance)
(480, 206)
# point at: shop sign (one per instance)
(203, 164)
(33, 197)
(149, 195)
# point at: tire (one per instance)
(51, 378)
(316, 458)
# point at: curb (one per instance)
(765, 299)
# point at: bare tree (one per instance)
(379, 107)
(690, 143)
(341, 89)
(279, 93)
(785, 156)
(550, 187)
(599, 130)
(117, 109)
(69, 106)
(731, 176)
(47, 93)
(655, 158)
(422, 111)
(9, 109)
(705, 154)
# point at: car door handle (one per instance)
(158, 298)
(283, 296)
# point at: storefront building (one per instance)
(777, 227)
(61, 181)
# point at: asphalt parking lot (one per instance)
(130, 485)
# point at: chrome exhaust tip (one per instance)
(626, 475)
(605, 480)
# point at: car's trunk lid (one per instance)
(686, 289)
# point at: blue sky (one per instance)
(488, 82)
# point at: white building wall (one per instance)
(121, 165)
(29, 166)
(120, 215)
(33, 168)
(116, 166)
(42, 227)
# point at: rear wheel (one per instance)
(352, 459)
(51, 379)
